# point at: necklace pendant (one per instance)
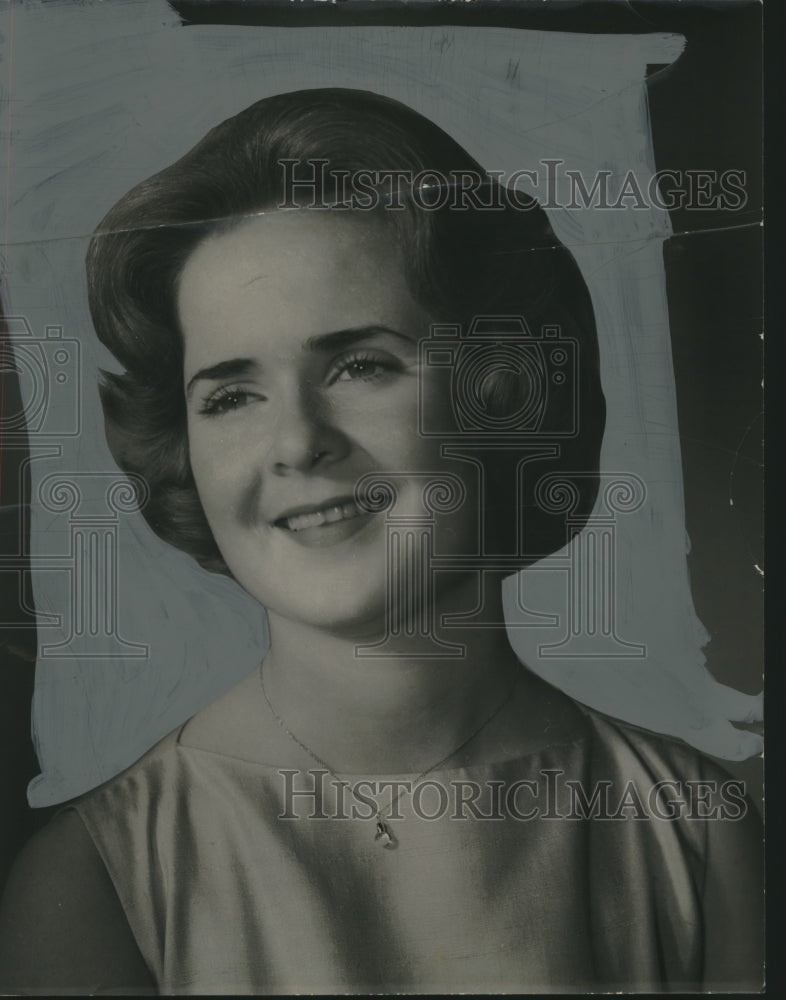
(383, 836)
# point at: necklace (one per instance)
(383, 835)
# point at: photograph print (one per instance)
(380, 440)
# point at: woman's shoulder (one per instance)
(153, 770)
(62, 926)
(687, 798)
(684, 826)
(581, 736)
(659, 756)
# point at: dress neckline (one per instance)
(186, 741)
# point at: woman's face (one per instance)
(301, 367)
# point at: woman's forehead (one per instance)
(284, 246)
(287, 276)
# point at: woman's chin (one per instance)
(359, 617)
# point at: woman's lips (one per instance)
(331, 514)
(329, 524)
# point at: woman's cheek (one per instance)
(221, 473)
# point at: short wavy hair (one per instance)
(460, 263)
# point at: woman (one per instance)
(362, 814)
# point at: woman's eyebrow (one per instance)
(338, 339)
(232, 368)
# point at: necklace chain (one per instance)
(383, 833)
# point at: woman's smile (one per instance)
(316, 515)
(321, 525)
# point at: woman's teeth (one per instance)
(327, 515)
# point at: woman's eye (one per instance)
(228, 399)
(363, 370)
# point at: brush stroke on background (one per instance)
(94, 124)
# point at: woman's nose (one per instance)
(304, 436)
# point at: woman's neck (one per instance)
(404, 712)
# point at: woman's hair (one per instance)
(462, 263)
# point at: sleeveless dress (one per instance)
(571, 868)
